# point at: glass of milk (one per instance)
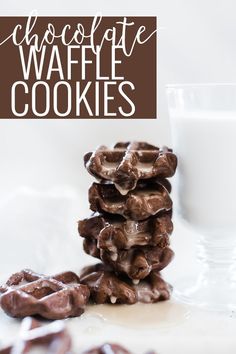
(203, 124)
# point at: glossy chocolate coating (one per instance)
(114, 233)
(107, 287)
(147, 199)
(136, 263)
(126, 163)
(57, 297)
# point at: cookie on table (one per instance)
(53, 337)
(107, 348)
(52, 297)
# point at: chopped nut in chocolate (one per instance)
(126, 163)
(27, 293)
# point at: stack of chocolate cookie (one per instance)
(131, 224)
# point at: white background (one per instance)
(43, 183)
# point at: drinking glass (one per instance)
(203, 124)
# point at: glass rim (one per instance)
(197, 85)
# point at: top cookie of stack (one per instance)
(130, 230)
(127, 163)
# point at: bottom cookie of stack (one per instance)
(108, 287)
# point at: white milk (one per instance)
(205, 144)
